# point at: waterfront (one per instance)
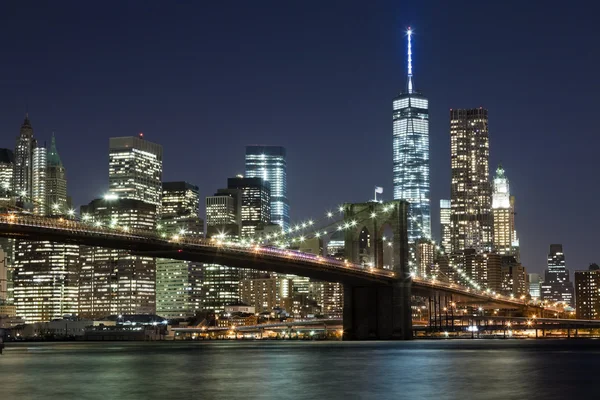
(452, 369)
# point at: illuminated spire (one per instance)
(410, 85)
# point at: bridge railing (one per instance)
(77, 227)
(283, 254)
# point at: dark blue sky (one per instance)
(206, 78)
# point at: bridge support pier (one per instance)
(380, 312)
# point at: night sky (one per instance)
(205, 79)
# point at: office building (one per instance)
(38, 180)
(269, 163)
(425, 257)
(223, 220)
(224, 213)
(45, 280)
(265, 293)
(3, 277)
(471, 219)
(255, 207)
(411, 155)
(114, 281)
(515, 280)
(23, 159)
(7, 162)
(179, 282)
(135, 169)
(445, 232)
(587, 293)
(56, 183)
(503, 213)
(181, 209)
(332, 293)
(535, 286)
(557, 286)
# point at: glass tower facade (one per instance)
(411, 156)
(269, 163)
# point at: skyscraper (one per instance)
(179, 282)
(255, 203)
(587, 293)
(223, 217)
(56, 183)
(445, 235)
(7, 163)
(22, 173)
(557, 286)
(269, 163)
(135, 169)
(411, 155)
(38, 180)
(471, 220)
(505, 236)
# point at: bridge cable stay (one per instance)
(322, 231)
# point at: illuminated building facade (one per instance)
(23, 156)
(39, 165)
(223, 219)
(56, 183)
(515, 280)
(135, 169)
(503, 213)
(113, 281)
(411, 155)
(179, 282)
(255, 208)
(3, 277)
(535, 286)
(265, 293)
(445, 234)
(557, 286)
(269, 163)
(45, 280)
(471, 219)
(7, 162)
(425, 257)
(223, 213)
(587, 293)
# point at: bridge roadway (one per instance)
(145, 243)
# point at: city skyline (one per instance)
(537, 229)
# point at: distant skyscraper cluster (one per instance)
(478, 246)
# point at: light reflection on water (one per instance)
(453, 369)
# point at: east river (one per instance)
(451, 369)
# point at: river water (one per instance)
(451, 369)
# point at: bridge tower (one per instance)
(378, 311)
